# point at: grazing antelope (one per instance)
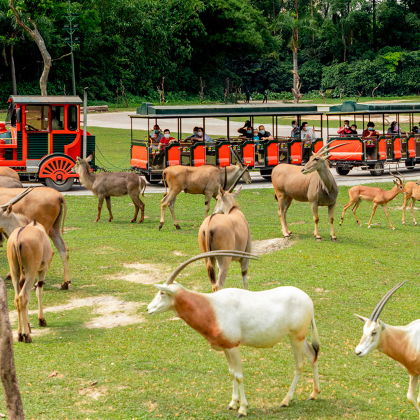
(400, 343)
(234, 317)
(111, 184)
(377, 195)
(29, 253)
(45, 205)
(206, 180)
(225, 229)
(313, 183)
(413, 192)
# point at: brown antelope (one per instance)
(377, 195)
(234, 317)
(206, 180)
(413, 192)
(29, 253)
(111, 184)
(5, 171)
(313, 183)
(9, 182)
(400, 343)
(45, 205)
(226, 229)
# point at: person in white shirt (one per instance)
(307, 133)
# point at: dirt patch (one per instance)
(69, 229)
(94, 393)
(179, 253)
(300, 222)
(321, 290)
(144, 274)
(112, 312)
(270, 245)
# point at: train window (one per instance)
(57, 118)
(37, 118)
(72, 117)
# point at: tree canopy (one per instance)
(346, 46)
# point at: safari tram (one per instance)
(372, 153)
(42, 137)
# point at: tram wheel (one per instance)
(61, 186)
(341, 171)
(409, 164)
(377, 169)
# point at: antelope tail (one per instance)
(142, 182)
(19, 258)
(64, 215)
(164, 183)
(210, 267)
(314, 338)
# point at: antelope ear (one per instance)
(395, 182)
(89, 158)
(237, 192)
(326, 157)
(78, 159)
(222, 193)
(164, 288)
(381, 324)
(361, 318)
(9, 209)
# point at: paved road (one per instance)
(355, 177)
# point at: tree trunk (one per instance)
(7, 363)
(374, 24)
(12, 65)
(36, 36)
(295, 69)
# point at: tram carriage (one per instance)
(373, 154)
(42, 138)
(263, 157)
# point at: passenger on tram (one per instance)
(264, 135)
(394, 129)
(154, 141)
(194, 134)
(370, 134)
(307, 133)
(248, 134)
(157, 131)
(242, 131)
(256, 136)
(55, 124)
(201, 136)
(370, 131)
(353, 129)
(345, 129)
(295, 129)
(416, 130)
(160, 155)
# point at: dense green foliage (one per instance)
(216, 44)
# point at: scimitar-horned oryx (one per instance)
(313, 183)
(233, 317)
(400, 343)
(205, 179)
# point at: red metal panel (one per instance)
(273, 154)
(382, 149)
(411, 147)
(397, 148)
(351, 151)
(318, 146)
(296, 153)
(139, 157)
(224, 155)
(248, 155)
(174, 156)
(199, 157)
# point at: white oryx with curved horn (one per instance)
(234, 317)
(313, 183)
(205, 179)
(400, 343)
(377, 195)
(225, 229)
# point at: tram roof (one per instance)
(45, 100)
(147, 110)
(351, 107)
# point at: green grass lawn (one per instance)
(158, 367)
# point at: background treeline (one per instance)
(201, 48)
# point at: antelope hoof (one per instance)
(133, 221)
(318, 239)
(141, 220)
(286, 236)
(242, 412)
(20, 337)
(160, 225)
(27, 338)
(283, 404)
(96, 221)
(42, 322)
(110, 219)
(334, 239)
(8, 276)
(369, 227)
(177, 226)
(393, 228)
(65, 285)
(416, 224)
(241, 415)
(403, 223)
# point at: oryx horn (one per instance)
(17, 198)
(377, 311)
(237, 179)
(221, 253)
(224, 184)
(323, 148)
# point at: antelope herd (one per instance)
(230, 317)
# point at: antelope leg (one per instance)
(413, 202)
(314, 207)
(223, 269)
(39, 292)
(331, 219)
(406, 198)
(412, 390)
(100, 202)
(244, 272)
(385, 208)
(63, 250)
(172, 209)
(297, 346)
(235, 358)
(375, 205)
(108, 204)
(233, 405)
